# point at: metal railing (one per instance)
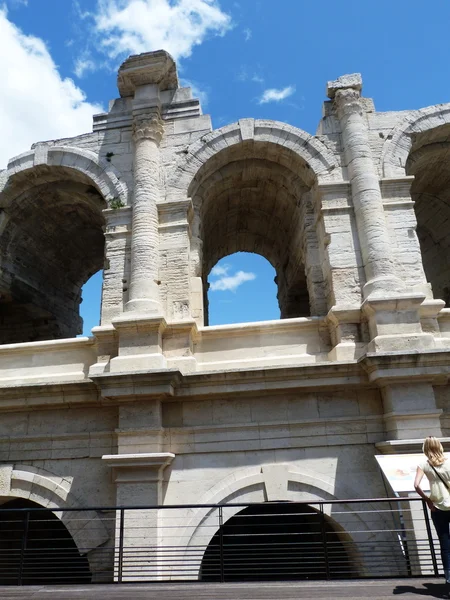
(232, 542)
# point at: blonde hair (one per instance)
(433, 450)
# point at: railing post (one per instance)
(26, 524)
(221, 557)
(324, 541)
(121, 530)
(404, 538)
(430, 538)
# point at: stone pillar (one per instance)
(368, 205)
(144, 285)
(138, 479)
(410, 411)
(392, 311)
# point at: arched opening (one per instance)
(255, 197)
(91, 299)
(242, 289)
(37, 549)
(429, 162)
(276, 542)
(51, 243)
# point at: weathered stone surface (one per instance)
(355, 221)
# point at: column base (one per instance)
(143, 307)
(138, 362)
(383, 286)
(140, 344)
(405, 342)
(394, 323)
(413, 424)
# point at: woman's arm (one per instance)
(419, 490)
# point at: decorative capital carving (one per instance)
(347, 102)
(149, 127)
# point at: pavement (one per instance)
(405, 589)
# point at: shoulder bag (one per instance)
(444, 482)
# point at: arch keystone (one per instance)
(247, 129)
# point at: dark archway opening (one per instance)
(51, 242)
(255, 197)
(275, 542)
(40, 551)
(429, 163)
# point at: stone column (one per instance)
(392, 310)
(371, 223)
(144, 285)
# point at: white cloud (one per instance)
(247, 34)
(84, 64)
(242, 73)
(220, 270)
(232, 282)
(274, 95)
(36, 103)
(134, 26)
(16, 3)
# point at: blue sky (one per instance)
(257, 58)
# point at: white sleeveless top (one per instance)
(439, 494)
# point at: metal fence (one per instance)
(231, 542)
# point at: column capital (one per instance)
(347, 102)
(346, 93)
(136, 468)
(345, 82)
(148, 126)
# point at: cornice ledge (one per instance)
(134, 385)
(324, 375)
(413, 446)
(156, 460)
(398, 366)
(33, 396)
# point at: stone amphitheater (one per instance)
(156, 406)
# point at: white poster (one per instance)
(400, 471)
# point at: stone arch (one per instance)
(420, 148)
(320, 160)
(396, 150)
(250, 184)
(104, 175)
(54, 492)
(280, 482)
(52, 240)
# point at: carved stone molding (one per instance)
(347, 102)
(149, 127)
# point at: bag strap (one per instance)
(444, 482)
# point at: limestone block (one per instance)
(276, 482)
(333, 405)
(5, 479)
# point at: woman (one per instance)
(437, 470)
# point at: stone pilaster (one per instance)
(392, 311)
(144, 295)
(138, 480)
(366, 194)
(410, 411)
(141, 326)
